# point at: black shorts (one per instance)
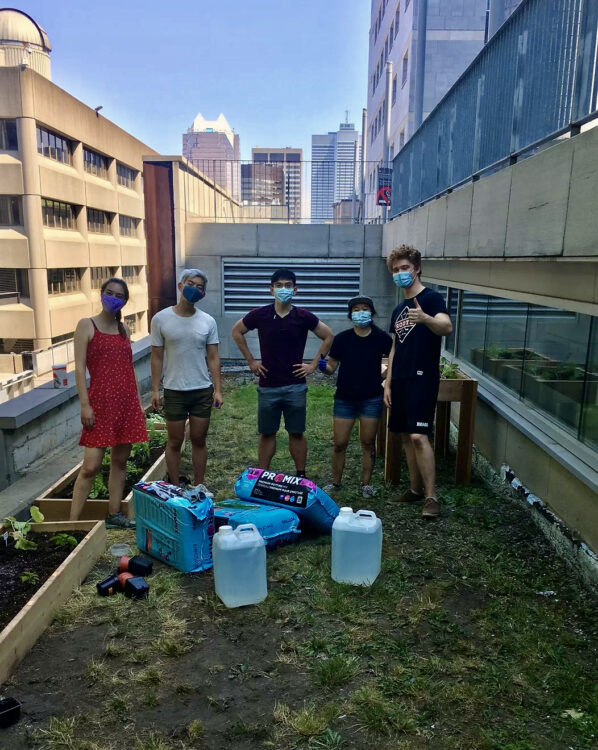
(413, 405)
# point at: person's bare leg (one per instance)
(368, 427)
(298, 450)
(342, 433)
(92, 461)
(426, 464)
(415, 477)
(118, 471)
(265, 450)
(199, 452)
(176, 435)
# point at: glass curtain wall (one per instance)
(545, 356)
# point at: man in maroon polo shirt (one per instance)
(282, 331)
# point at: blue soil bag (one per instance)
(277, 526)
(300, 495)
(175, 529)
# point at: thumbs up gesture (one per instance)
(416, 314)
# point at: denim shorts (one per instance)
(371, 408)
(289, 400)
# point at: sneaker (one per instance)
(409, 496)
(367, 490)
(331, 487)
(118, 521)
(431, 508)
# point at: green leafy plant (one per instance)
(64, 540)
(29, 576)
(448, 370)
(20, 529)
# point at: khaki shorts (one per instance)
(179, 405)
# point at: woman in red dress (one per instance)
(111, 412)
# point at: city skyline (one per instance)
(171, 66)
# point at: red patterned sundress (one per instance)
(113, 394)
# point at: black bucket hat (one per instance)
(361, 300)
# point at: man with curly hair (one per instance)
(418, 324)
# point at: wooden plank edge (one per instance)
(23, 631)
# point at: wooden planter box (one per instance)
(22, 632)
(58, 509)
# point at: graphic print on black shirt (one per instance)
(417, 348)
(403, 326)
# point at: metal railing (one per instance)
(294, 192)
(535, 80)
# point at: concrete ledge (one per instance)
(23, 409)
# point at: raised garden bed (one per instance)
(23, 630)
(144, 465)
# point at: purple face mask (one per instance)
(112, 304)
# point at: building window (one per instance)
(58, 215)
(98, 221)
(131, 321)
(127, 226)
(10, 211)
(100, 274)
(8, 135)
(15, 346)
(545, 356)
(14, 281)
(405, 69)
(125, 176)
(62, 337)
(64, 280)
(54, 146)
(391, 36)
(397, 19)
(386, 50)
(95, 163)
(131, 274)
(401, 139)
(373, 84)
(394, 91)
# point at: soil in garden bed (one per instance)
(43, 561)
(131, 479)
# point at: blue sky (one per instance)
(278, 70)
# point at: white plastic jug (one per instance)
(240, 565)
(356, 547)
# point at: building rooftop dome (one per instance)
(19, 28)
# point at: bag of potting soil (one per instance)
(277, 526)
(173, 528)
(298, 494)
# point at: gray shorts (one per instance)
(288, 400)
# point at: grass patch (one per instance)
(336, 671)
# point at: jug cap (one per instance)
(225, 530)
(346, 510)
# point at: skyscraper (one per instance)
(214, 148)
(274, 178)
(334, 169)
(455, 33)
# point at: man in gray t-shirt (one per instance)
(188, 337)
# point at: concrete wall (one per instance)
(34, 424)
(207, 244)
(527, 232)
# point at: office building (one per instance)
(71, 200)
(274, 179)
(455, 33)
(215, 150)
(334, 170)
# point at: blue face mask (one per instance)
(403, 279)
(283, 295)
(361, 318)
(192, 294)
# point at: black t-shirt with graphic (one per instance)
(360, 357)
(417, 348)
